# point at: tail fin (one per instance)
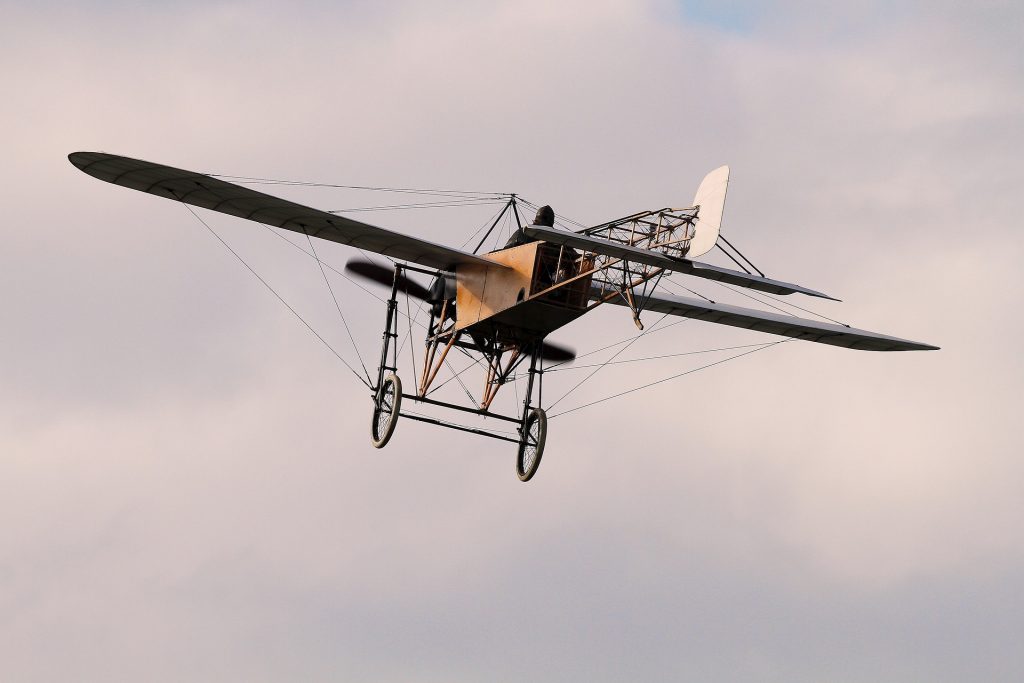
(711, 202)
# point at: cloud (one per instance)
(187, 485)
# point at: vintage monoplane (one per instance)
(500, 306)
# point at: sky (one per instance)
(187, 486)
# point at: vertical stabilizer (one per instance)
(711, 200)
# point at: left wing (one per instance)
(211, 193)
(774, 323)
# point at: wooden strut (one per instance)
(433, 371)
(628, 294)
(491, 383)
(428, 358)
(496, 377)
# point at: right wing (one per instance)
(657, 259)
(774, 323)
(218, 195)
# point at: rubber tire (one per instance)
(379, 438)
(537, 415)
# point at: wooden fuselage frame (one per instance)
(524, 298)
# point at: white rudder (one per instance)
(711, 202)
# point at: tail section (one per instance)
(710, 201)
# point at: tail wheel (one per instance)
(385, 410)
(531, 444)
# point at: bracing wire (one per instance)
(747, 295)
(250, 180)
(767, 345)
(602, 366)
(650, 330)
(332, 269)
(337, 305)
(559, 218)
(274, 292)
(490, 220)
(469, 394)
(784, 303)
(412, 320)
(408, 315)
(665, 282)
(661, 357)
(421, 205)
(468, 367)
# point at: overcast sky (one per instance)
(187, 486)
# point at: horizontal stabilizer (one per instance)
(211, 193)
(775, 323)
(657, 259)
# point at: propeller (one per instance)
(556, 353)
(383, 275)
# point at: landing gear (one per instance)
(386, 406)
(490, 343)
(531, 444)
(387, 394)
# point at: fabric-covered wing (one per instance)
(218, 195)
(775, 323)
(659, 260)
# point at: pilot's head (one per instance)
(545, 216)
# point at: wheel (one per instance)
(531, 444)
(386, 405)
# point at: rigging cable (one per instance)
(665, 281)
(668, 355)
(650, 330)
(784, 303)
(602, 365)
(331, 268)
(476, 361)
(250, 180)
(666, 379)
(559, 218)
(481, 228)
(422, 205)
(452, 377)
(408, 335)
(274, 292)
(338, 306)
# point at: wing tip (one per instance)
(820, 295)
(78, 159)
(905, 345)
(82, 160)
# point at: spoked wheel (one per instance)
(385, 410)
(531, 444)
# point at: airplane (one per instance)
(499, 307)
